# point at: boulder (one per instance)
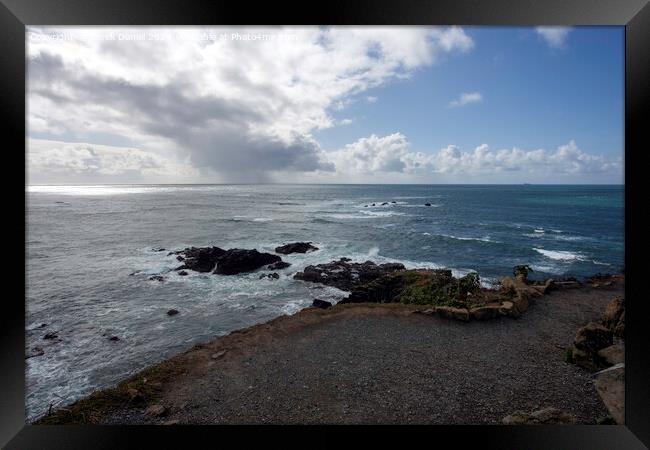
(485, 312)
(584, 359)
(321, 304)
(508, 309)
(270, 276)
(384, 204)
(427, 204)
(610, 385)
(172, 312)
(613, 313)
(296, 247)
(114, 338)
(182, 273)
(156, 411)
(157, 278)
(544, 416)
(345, 275)
(278, 265)
(593, 337)
(237, 260)
(614, 354)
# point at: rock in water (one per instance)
(278, 265)
(296, 247)
(201, 259)
(427, 204)
(237, 260)
(172, 312)
(321, 304)
(345, 275)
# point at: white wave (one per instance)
(382, 213)
(560, 255)
(483, 239)
(539, 230)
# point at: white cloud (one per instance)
(466, 98)
(371, 99)
(243, 108)
(345, 121)
(555, 37)
(377, 155)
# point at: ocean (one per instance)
(91, 249)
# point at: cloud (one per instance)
(371, 99)
(375, 155)
(555, 37)
(239, 107)
(466, 98)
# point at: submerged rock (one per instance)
(345, 275)
(172, 312)
(270, 276)
(278, 265)
(296, 247)
(157, 278)
(427, 204)
(114, 338)
(51, 335)
(182, 273)
(237, 260)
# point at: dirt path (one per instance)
(383, 364)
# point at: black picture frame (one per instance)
(633, 14)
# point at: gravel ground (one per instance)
(383, 365)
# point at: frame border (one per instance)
(633, 14)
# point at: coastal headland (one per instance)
(406, 346)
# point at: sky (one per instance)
(325, 105)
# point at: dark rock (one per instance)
(201, 259)
(390, 286)
(237, 260)
(321, 304)
(278, 265)
(296, 247)
(345, 275)
(384, 204)
(270, 276)
(365, 206)
(50, 335)
(157, 278)
(427, 204)
(113, 338)
(373, 204)
(180, 258)
(157, 249)
(593, 337)
(172, 312)
(182, 273)
(43, 325)
(35, 351)
(393, 202)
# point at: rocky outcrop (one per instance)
(237, 260)
(296, 247)
(201, 259)
(589, 340)
(344, 274)
(226, 262)
(546, 416)
(614, 316)
(614, 354)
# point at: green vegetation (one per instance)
(523, 270)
